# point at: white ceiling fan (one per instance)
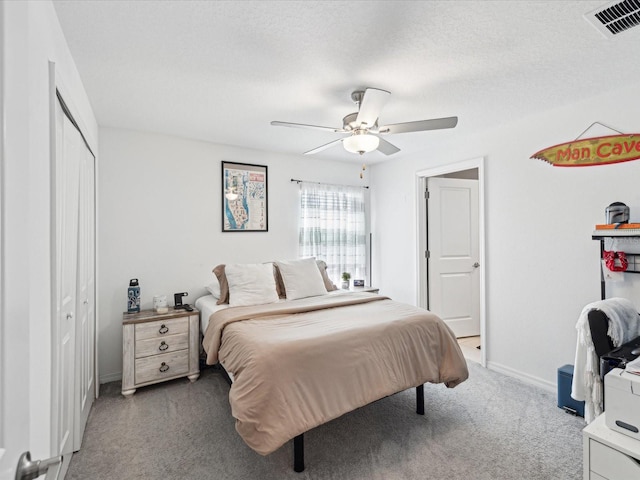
(362, 126)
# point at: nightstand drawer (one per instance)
(611, 463)
(161, 328)
(168, 344)
(157, 367)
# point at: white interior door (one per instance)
(14, 252)
(85, 308)
(453, 244)
(24, 370)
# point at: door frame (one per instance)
(421, 209)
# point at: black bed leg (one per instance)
(420, 400)
(298, 453)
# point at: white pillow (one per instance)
(214, 288)
(301, 278)
(251, 284)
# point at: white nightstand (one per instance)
(608, 454)
(364, 289)
(157, 347)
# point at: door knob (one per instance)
(28, 470)
(69, 315)
(476, 265)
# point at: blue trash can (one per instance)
(565, 377)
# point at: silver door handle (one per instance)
(476, 265)
(69, 315)
(28, 469)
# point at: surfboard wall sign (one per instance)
(592, 151)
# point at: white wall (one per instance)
(160, 220)
(32, 38)
(541, 266)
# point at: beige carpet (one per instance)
(490, 427)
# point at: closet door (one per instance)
(85, 321)
(67, 174)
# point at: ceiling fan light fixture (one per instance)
(365, 133)
(361, 142)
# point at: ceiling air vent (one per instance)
(615, 17)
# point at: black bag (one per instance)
(619, 357)
(610, 357)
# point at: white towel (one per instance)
(624, 321)
(624, 325)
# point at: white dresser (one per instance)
(609, 455)
(159, 346)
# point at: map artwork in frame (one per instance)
(244, 198)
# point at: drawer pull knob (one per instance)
(163, 346)
(164, 367)
(163, 329)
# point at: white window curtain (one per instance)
(333, 228)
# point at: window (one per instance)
(333, 228)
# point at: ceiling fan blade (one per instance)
(302, 125)
(387, 148)
(371, 105)
(419, 126)
(323, 147)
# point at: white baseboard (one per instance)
(538, 382)
(110, 377)
(497, 367)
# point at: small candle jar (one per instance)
(160, 304)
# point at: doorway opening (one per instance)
(451, 250)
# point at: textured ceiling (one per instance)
(220, 71)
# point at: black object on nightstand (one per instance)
(177, 300)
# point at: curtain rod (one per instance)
(332, 184)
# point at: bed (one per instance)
(297, 362)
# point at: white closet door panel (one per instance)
(85, 371)
(67, 201)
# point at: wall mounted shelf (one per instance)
(632, 258)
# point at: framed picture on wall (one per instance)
(244, 198)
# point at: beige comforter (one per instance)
(299, 364)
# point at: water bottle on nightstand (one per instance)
(133, 296)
